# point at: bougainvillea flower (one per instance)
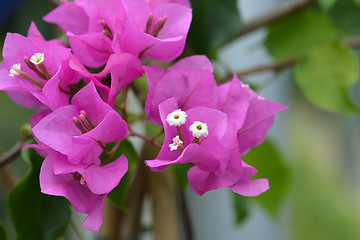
(158, 33)
(155, 3)
(85, 186)
(193, 81)
(35, 73)
(252, 114)
(90, 26)
(204, 137)
(81, 129)
(121, 69)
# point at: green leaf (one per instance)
(180, 172)
(152, 130)
(325, 74)
(119, 193)
(346, 16)
(3, 235)
(296, 34)
(214, 23)
(240, 206)
(33, 214)
(326, 4)
(270, 165)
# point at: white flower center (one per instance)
(176, 143)
(37, 58)
(244, 86)
(82, 181)
(199, 129)
(14, 70)
(176, 118)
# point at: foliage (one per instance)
(33, 214)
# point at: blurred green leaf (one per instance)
(270, 165)
(299, 32)
(33, 214)
(153, 129)
(214, 23)
(3, 235)
(240, 206)
(119, 193)
(346, 16)
(326, 4)
(180, 172)
(324, 75)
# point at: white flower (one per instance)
(14, 70)
(176, 118)
(176, 143)
(199, 129)
(37, 58)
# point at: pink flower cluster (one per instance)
(206, 125)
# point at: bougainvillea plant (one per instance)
(80, 89)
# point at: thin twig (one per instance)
(279, 65)
(281, 11)
(13, 152)
(123, 104)
(158, 134)
(186, 216)
(276, 66)
(146, 138)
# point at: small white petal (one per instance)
(176, 118)
(176, 143)
(199, 129)
(14, 70)
(37, 58)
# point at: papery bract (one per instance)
(164, 45)
(216, 157)
(193, 81)
(58, 130)
(90, 26)
(121, 69)
(40, 91)
(252, 114)
(85, 186)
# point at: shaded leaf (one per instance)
(296, 34)
(33, 214)
(325, 74)
(3, 235)
(153, 129)
(119, 193)
(180, 172)
(346, 16)
(214, 23)
(270, 165)
(240, 207)
(326, 4)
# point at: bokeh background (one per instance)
(313, 155)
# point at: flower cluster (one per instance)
(205, 125)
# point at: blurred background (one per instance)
(311, 157)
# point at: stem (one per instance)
(112, 152)
(279, 65)
(126, 91)
(162, 189)
(130, 223)
(158, 134)
(186, 215)
(13, 152)
(146, 138)
(283, 10)
(276, 66)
